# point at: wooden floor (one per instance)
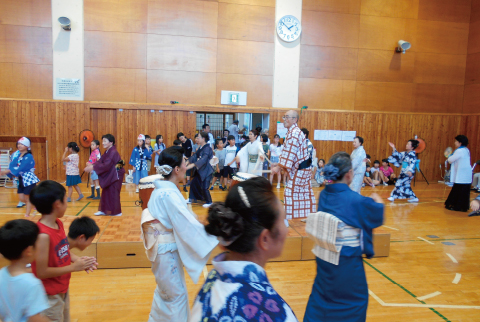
(433, 252)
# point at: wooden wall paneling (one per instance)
(123, 16)
(185, 87)
(385, 66)
(474, 38)
(385, 32)
(328, 62)
(439, 68)
(258, 87)
(13, 80)
(265, 3)
(326, 93)
(245, 57)
(472, 131)
(445, 10)
(475, 12)
(40, 81)
(437, 98)
(330, 29)
(398, 9)
(339, 6)
(383, 96)
(471, 102)
(115, 49)
(35, 13)
(246, 22)
(115, 84)
(181, 53)
(472, 70)
(442, 37)
(23, 44)
(183, 18)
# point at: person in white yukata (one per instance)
(359, 164)
(251, 156)
(174, 238)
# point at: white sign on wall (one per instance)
(233, 98)
(68, 87)
(330, 135)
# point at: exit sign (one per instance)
(233, 98)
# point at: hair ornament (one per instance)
(244, 197)
(165, 169)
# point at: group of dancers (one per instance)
(250, 224)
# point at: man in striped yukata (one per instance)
(296, 161)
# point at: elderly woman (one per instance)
(251, 226)
(340, 291)
(460, 175)
(358, 163)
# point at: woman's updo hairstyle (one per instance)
(239, 225)
(338, 166)
(204, 135)
(462, 139)
(255, 133)
(414, 143)
(73, 146)
(173, 157)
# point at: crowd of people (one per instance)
(250, 224)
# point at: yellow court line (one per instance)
(444, 306)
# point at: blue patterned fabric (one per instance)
(403, 188)
(237, 291)
(139, 157)
(24, 167)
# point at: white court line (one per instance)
(390, 227)
(205, 272)
(445, 306)
(457, 278)
(426, 240)
(428, 296)
(452, 258)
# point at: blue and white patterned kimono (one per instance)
(23, 168)
(359, 168)
(138, 160)
(239, 291)
(407, 160)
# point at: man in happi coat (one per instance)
(296, 161)
(109, 177)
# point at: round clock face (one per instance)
(289, 28)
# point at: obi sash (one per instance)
(330, 234)
(252, 158)
(153, 234)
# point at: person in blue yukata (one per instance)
(340, 291)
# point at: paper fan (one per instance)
(86, 137)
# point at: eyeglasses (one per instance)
(288, 117)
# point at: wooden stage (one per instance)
(431, 274)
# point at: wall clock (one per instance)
(289, 28)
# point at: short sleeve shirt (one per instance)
(72, 165)
(21, 296)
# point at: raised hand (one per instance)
(392, 145)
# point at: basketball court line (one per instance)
(452, 258)
(426, 240)
(424, 305)
(428, 296)
(457, 278)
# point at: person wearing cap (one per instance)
(138, 160)
(22, 166)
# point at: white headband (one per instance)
(141, 137)
(24, 141)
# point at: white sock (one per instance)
(98, 187)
